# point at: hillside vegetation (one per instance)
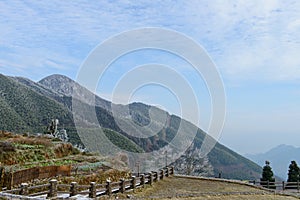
(27, 106)
(18, 152)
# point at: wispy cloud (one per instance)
(251, 41)
(242, 37)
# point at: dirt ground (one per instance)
(187, 188)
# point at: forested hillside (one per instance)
(30, 106)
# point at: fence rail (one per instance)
(93, 190)
(278, 185)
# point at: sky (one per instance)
(254, 44)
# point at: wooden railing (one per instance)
(53, 189)
(278, 185)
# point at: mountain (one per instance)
(67, 87)
(29, 106)
(280, 158)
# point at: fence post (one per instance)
(133, 182)
(52, 188)
(298, 185)
(143, 180)
(92, 193)
(172, 170)
(108, 188)
(268, 184)
(24, 189)
(283, 185)
(161, 174)
(73, 189)
(2, 172)
(167, 173)
(155, 176)
(11, 174)
(150, 178)
(9, 180)
(122, 185)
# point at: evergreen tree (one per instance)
(267, 176)
(293, 175)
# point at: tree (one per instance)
(267, 179)
(293, 175)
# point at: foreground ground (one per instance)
(189, 188)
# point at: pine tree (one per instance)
(293, 175)
(267, 179)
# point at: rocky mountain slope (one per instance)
(29, 106)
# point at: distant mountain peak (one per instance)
(68, 87)
(57, 76)
(282, 147)
(59, 83)
(279, 156)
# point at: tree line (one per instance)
(268, 175)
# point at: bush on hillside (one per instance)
(31, 140)
(6, 147)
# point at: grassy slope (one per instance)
(27, 107)
(180, 188)
(122, 141)
(19, 152)
(233, 165)
(94, 137)
(22, 151)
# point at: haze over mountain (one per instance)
(29, 106)
(280, 158)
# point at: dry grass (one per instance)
(243, 197)
(31, 140)
(5, 135)
(99, 177)
(186, 188)
(64, 149)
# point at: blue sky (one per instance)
(255, 45)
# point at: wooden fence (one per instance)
(9, 179)
(278, 185)
(53, 189)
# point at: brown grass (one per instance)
(242, 197)
(99, 177)
(31, 140)
(186, 188)
(62, 150)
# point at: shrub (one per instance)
(31, 140)
(6, 147)
(4, 134)
(63, 149)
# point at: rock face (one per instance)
(59, 83)
(29, 106)
(66, 86)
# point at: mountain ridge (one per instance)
(231, 164)
(280, 158)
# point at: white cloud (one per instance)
(245, 38)
(250, 41)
